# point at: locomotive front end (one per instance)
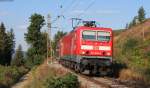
(96, 49)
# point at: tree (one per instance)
(3, 42)
(134, 21)
(57, 37)
(18, 59)
(34, 38)
(7, 44)
(127, 26)
(34, 30)
(141, 14)
(10, 45)
(138, 19)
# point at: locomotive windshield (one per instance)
(89, 35)
(103, 36)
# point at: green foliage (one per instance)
(130, 44)
(18, 59)
(67, 81)
(134, 21)
(33, 36)
(148, 54)
(10, 44)
(37, 41)
(134, 53)
(138, 19)
(33, 58)
(7, 45)
(10, 75)
(141, 14)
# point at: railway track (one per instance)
(100, 82)
(104, 82)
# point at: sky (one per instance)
(108, 13)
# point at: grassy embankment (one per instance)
(132, 47)
(45, 76)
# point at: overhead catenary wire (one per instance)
(72, 6)
(63, 11)
(76, 5)
(86, 9)
(79, 16)
(69, 6)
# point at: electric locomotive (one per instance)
(88, 48)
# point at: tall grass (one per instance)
(10, 75)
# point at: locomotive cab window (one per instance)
(103, 36)
(89, 35)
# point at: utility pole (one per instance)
(49, 43)
(143, 34)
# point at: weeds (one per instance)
(67, 81)
(10, 75)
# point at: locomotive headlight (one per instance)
(83, 52)
(108, 53)
(104, 48)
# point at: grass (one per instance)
(132, 49)
(45, 76)
(10, 75)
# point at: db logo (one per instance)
(96, 48)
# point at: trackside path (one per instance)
(25, 80)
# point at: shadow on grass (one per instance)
(4, 86)
(117, 67)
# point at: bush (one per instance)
(67, 81)
(10, 75)
(130, 44)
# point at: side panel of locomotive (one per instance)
(68, 46)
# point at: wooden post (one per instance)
(143, 34)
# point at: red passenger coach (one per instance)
(87, 48)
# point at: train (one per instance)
(87, 47)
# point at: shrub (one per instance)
(67, 81)
(130, 44)
(10, 75)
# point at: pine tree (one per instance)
(127, 26)
(10, 45)
(3, 44)
(141, 14)
(18, 59)
(7, 44)
(134, 21)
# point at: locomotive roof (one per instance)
(93, 28)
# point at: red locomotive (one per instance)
(87, 48)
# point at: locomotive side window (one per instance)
(91, 35)
(103, 36)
